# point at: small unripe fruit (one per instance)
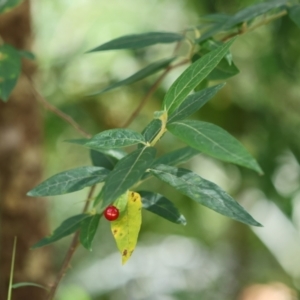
(111, 213)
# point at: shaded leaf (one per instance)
(192, 76)
(100, 159)
(161, 206)
(7, 5)
(27, 54)
(126, 228)
(214, 141)
(145, 72)
(152, 130)
(176, 157)
(135, 41)
(203, 191)
(225, 22)
(10, 68)
(126, 173)
(66, 228)
(70, 181)
(294, 14)
(223, 71)
(252, 12)
(88, 229)
(193, 103)
(24, 284)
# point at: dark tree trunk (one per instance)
(20, 170)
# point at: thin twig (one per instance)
(72, 248)
(151, 91)
(255, 26)
(56, 111)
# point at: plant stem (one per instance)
(72, 248)
(255, 26)
(56, 111)
(150, 92)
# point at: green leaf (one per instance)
(136, 41)
(252, 12)
(126, 173)
(66, 228)
(225, 22)
(152, 130)
(203, 191)
(223, 71)
(100, 159)
(193, 103)
(294, 14)
(145, 72)
(114, 153)
(69, 181)
(88, 228)
(214, 141)
(25, 284)
(7, 5)
(192, 76)
(176, 157)
(113, 138)
(10, 69)
(161, 206)
(27, 54)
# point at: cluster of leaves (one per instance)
(122, 172)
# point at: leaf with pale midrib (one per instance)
(214, 141)
(192, 76)
(126, 173)
(69, 181)
(161, 206)
(135, 41)
(203, 191)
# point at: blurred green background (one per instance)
(212, 257)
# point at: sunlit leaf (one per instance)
(66, 228)
(114, 153)
(162, 207)
(126, 173)
(126, 228)
(70, 181)
(203, 191)
(88, 229)
(7, 5)
(193, 103)
(113, 138)
(10, 68)
(192, 76)
(145, 72)
(214, 141)
(136, 41)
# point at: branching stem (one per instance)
(150, 92)
(72, 248)
(56, 111)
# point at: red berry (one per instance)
(111, 213)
